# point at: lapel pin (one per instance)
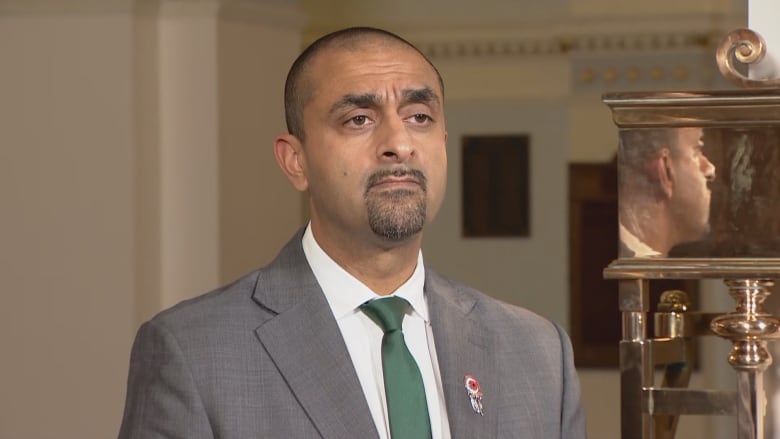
(475, 393)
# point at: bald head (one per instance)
(301, 81)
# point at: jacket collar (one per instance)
(464, 346)
(303, 339)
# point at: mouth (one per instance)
(397, 179)
(396, 183)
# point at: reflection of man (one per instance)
(295, 349)
(664, 198)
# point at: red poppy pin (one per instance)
(475, 393)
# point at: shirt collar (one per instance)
(639, 248)
(345, 293)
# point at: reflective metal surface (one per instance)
(703, 109)
(693, 268)
(699, 197)
(650, 409)
(749, 326)
(751, 404)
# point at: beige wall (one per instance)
(136, 168)
(134, 155)
(502, 267)
(66, 252)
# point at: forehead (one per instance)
(370, 67)
(688, 136)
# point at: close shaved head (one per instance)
(299, 86)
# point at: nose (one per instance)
(394, 142)
(707, 168)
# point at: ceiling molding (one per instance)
(567, 36)
(583, 44)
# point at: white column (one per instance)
(188, 134)
(225, 207)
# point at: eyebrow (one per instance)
(420, 96)
(367, 100)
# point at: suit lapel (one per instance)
(463, 346)
(305, 343)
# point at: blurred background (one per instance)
(136, 168)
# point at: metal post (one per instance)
(636, 371)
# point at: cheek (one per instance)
(348, 181)
(437, 177)
(442, 174)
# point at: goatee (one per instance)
(400, 213)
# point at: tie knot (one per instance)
(387, 312)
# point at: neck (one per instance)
(651, 224)
(381, 266)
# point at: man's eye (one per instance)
(421, 118)
(359, 120)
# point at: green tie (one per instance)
(404, 388)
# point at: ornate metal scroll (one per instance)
(745, 47)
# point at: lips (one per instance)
(400, 177)
(393, 181)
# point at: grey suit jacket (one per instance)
(264, 358)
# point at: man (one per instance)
(663, 195)
(288, 351)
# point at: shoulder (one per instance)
(214, 308)
(496, 316)
(276, 286)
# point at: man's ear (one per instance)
(288, 151)
(664, 173)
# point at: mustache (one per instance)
(380, 175)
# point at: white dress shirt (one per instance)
(640, 249)
(363, 337)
